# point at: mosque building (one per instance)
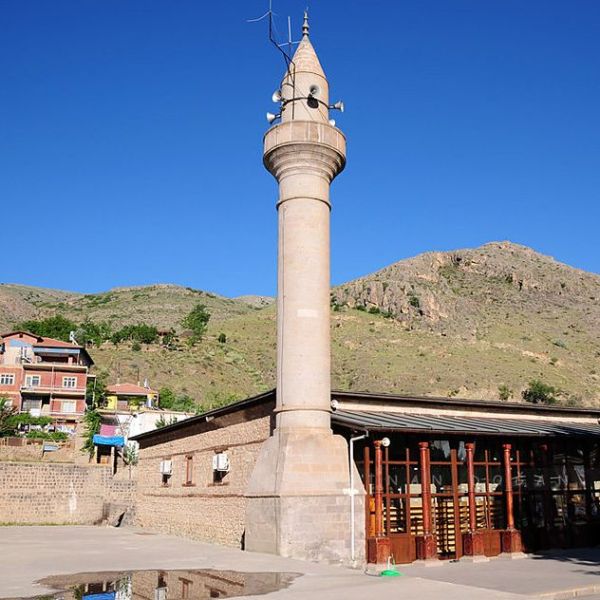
(306, 472)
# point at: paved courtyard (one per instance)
(29, 554)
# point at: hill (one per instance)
(456, 323)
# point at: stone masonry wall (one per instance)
(38, 493)
(204, 509)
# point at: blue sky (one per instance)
(130, 135)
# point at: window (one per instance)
(186, 584)
(69, 382)
(7, 379)
(33, 381)
(189, 470)
(68, 407)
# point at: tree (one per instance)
(197, 322)
(93, 333)
(57, 327)
(162, 422)
(539, 392)
(169, 400)
(140, 333)
(7, 413)
(95, 394)
(92, 420)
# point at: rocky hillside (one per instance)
(459, 323)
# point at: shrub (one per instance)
(413, 300)
(539, 392)
(136, 346)
(374, 310)
(222, 338)
(504, 392)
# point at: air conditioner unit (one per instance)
(221, 462)
(166, 467)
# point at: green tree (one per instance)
(95, 394)
(7, 412)
(90, 332)
(169, 400)
(140, 333)
(57, 327)
(91, 420)
(197, 322)
(162, 422)
(539, 392)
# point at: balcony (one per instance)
(45, 390)
(53, 366)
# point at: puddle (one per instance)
(162, 585)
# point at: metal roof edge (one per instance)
(466, 402)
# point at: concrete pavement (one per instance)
(28, 554)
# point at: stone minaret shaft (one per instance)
(304, 153)
(297, 499)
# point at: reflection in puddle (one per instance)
(163, 585)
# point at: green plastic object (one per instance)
(390, 573)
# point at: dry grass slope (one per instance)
(458, 323)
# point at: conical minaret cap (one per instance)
(305, 78)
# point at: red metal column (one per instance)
(511, 538)
(378, 547)
(378, 489)
(473, 543)
(426, 543)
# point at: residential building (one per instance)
(126, 396)
(45, 377)
(129, 410)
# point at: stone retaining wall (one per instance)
(52, 493)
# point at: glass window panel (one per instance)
(480, 478)
(439, 450)
(441, 478)
(575, 477)
(594, 479)
(495, 451)
(479, 453)
(397, 515)
(557, 475)
(537, 510)
(536, 477)
(463, 480)
(415, 478)
(576, 508)
(519, 481)
(595, 456)
(496, 481)
(595, 505)
(559, 510)
(397, 478)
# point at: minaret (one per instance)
(297, 501)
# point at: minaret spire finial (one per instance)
(305, 26)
